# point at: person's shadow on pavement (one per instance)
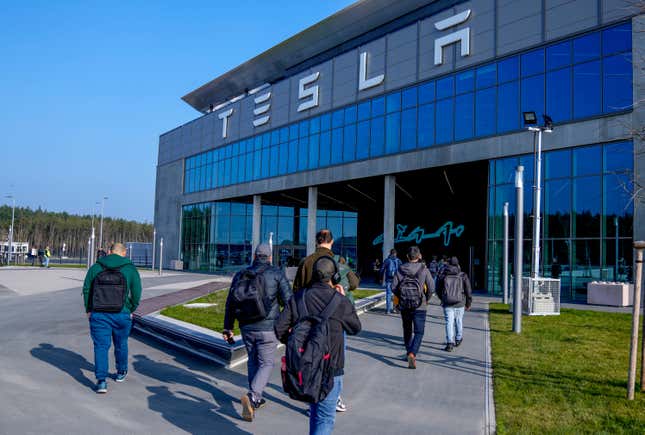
(190, 413)
(70, 362)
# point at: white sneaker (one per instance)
(340, 405)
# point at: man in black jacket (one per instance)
(258, 336)
(323, 414)
(453, 310)
(413, 317)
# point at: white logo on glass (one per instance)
(261, 110)
(462, 36)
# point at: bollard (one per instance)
(519, 236)
(160, 255)
(154, 236)
(633, 350)
(505, 259)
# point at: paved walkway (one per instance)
(46, 378)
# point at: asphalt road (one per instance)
(46, 376)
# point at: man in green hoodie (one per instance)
(111, 291)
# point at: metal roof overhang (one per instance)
(330, 33)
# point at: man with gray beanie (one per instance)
(254, 300)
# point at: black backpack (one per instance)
(307, 374)
(249, 296)
(109, 290)
(410, 291)
(453, 289)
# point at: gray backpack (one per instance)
(453, 289)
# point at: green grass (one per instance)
(213, 317)
(564, 374)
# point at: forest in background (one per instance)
(44, 228)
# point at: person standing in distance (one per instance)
(271, 285)
(411, 283)
(388, 270)
(111, 292)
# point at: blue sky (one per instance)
(87, 87)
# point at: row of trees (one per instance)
(41, 228)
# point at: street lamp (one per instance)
(13, 210)
(531, 122)
(91, 252)
(101, 230)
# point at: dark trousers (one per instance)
(413, 319)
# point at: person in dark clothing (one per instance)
(323, 414)
(388, 269)
(556, 269)
(413, 318)
(454, 312)
(258, 336)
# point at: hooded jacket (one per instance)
(454, 269)
(425, 279)
(129, 271)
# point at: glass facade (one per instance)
(217, 236)
(587, 215)
(582, 77)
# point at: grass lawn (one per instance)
(213, 317)
(564, 374)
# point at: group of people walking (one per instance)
(312, 319)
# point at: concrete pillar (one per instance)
(312, 211)
(638, 120)
(257, 220)
(389, 203)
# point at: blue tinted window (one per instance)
(378, 106)
(409, 129)
(508, 107)
(314, 143)
(617, 39)
(533, 94)
(409, 97)
(533, 62)
(619, 157)
(464, 116)
(314, 125)
(558, 55)
(338, 118)
(486, 76)
(426, 93)
(242, 166)
(257, 143)
(586, 89)
(349, 144)
(325, 122)
(350, 114)
(325, 148)
(392, 132)
(393, 102)
(617, 83)
(257, 165)
(292, 165)
(364, 110)
(303, 129)
(508, 69)
(336, 146)
(426, 125)
(284, 134)
(266, 161)
(557, 164)
(363, 140)
(275, 139)
(293, 131)
(284, 158)
(465, 81)
(445, 121)
(275, 159)
(303, 153)
(485, 111)
(377, 136)
(586, 47)
(558, 95)
(446, 87)
(586, 160)
(248, 173)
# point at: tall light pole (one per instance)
(93, 236)
(530, 120)
(13, 211)
(101, 230)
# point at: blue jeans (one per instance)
(260, 346)
(105, 328)
(454, 317)
(388, 296)
(322, 415)
(413, 319)
(46, 259)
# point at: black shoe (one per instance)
(449, 347)
(458, 342)
(257, 404)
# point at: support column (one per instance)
(257, 220)
(389, 203)
(312, 211)
(638, 120)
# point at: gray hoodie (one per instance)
(425, 278)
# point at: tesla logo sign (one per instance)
(462, 36)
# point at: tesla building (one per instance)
(399, 122)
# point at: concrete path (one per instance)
(46, 378)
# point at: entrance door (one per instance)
(288, 255)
